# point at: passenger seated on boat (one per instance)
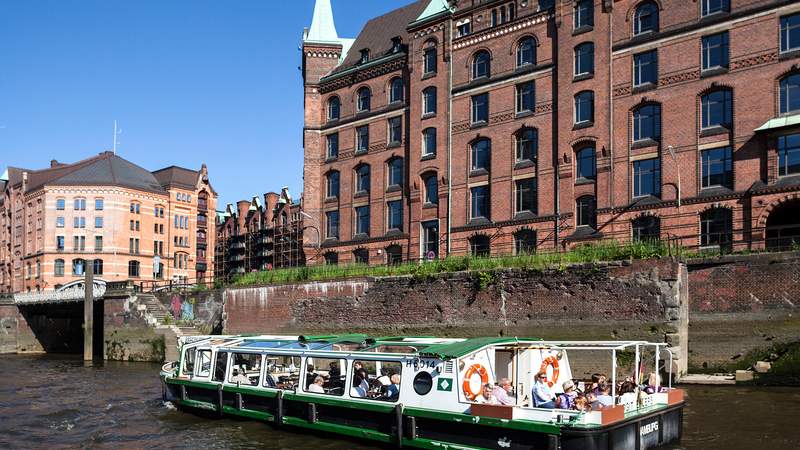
(597, 378)
(310, 375)
(604, 398)
(567, 399)
(541, 393)
(357, 389)
(627, 393)
(316, 386)
(486, 396)
(334, 374)
(239, 377)
(653, 380)
(503, 393)
(393, 390)
(364, 379)
(582, 403)
(386, 377)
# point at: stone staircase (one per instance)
(160, 318)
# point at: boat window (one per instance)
(188, 361)
(376, 380)
(423, 383)
(283, 372)
(325, 376)
(220, 366)
(204, 359)
(245, 369)
(397, 348)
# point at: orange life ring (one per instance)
(550, 361)
(468, 376)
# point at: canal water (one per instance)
(59, 402)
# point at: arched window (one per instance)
(429, 142)
(584, 14)
(361, 256)
(429, 100)
(647, 122)
(395, 172)
(396, 90)
(332, 184)
(527, 144)
(585, 163)
(716, 229)
(646, 228)
(431, 189)
(59, 268)
(716, 109)
(525, 242)
(790, 94)
(362, 178)
(526, 52)
(645, 18)
(479, 245)
(331, 259)
(481, 154)
(584, 59)
(98, 266)
(429, 58)
(584, 107)
(133, 269)
(363, 99)
(78, 266)
(481, 65)
(394, 255)
(585, 211)
(334, 108)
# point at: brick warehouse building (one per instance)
(449, 127)
(258, 234)
(109, 210)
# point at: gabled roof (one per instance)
(377, 34)
(177, 176)
(434, 8)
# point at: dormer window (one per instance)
(364, 56)
(397, 44)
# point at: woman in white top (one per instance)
(316, 386)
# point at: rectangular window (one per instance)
(79, 222)
(98, 222)
(525, 195)
(377, 380)
(60, 243)
(429, 101)
(245, 369)
(715, 6)
(98, 204)
(59, 268)
(480, 202)
(362, 220)
(98, 243)
(60, 204)
(429, 61)
(80, 204)
(220, 365)
(325, 376)
(584, 13)
(283, 372)
(717, 168)
(647, 177)
(464, 29)
(789, 155)
(130, 246)
(79, 243)
(395, 130)
(332, 224)
(395, 215)
(362, 139)
(584, 107)
(429, 142)
(526, 98)
(584, 59)
(715, 51)
(790, 33)
(480, 108)
(60, 222)
(645, 68)
(137, 226)
(430, 239)
(333, 145)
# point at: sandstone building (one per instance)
(134, 224)
(495, 127)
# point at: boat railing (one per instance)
(169, 367)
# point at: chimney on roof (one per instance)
(53, 163)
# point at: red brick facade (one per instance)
(677, 201)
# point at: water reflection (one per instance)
(53, 401)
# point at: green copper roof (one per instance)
(463, 348)
(780, 122)
(434, 7)
(322, 27)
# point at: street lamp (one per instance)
(671, 150)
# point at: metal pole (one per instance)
(636, 369)
(614, 373)
(88, 310)
(657, 371)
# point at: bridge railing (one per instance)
(75, 293)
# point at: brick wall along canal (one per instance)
(58, 402)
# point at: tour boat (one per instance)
(422, 391)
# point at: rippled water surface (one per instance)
(58, 402)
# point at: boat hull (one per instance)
(417, 427)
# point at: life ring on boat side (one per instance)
(473, 369)
(550, 361)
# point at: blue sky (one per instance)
(189, 81)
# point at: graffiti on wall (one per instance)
(182, 309)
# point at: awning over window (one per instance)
(780, 122)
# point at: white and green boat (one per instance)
(418, 391)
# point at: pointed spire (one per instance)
(322, 27)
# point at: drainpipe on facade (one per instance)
(611, 104)
(449, 41)
(555, 153)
